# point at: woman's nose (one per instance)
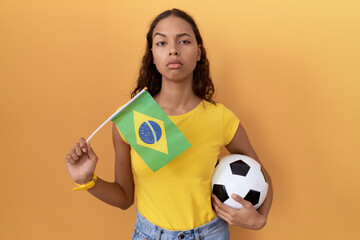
(173, 52)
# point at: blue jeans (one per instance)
(216, 229)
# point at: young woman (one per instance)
(175, 202)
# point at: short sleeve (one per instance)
(230, 125)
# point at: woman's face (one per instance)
(175, 49)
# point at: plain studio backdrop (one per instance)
(290, 70)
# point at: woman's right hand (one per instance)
(81, 162)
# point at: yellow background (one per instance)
(290, 70)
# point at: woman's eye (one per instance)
(160, 43)
(184, 41)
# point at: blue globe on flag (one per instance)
(150, 132)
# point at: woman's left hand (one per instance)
(247, 216)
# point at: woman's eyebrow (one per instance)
(182, 35)
(177, 35)
(160, 34)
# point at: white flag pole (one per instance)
(116, 113)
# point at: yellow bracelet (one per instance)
(87, 185)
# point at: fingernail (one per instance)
(234, 196)
(84, 150)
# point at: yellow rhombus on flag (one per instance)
(150, 125)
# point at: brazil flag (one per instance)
(150, 132)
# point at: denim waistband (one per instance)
(206, 229)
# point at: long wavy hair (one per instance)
(149, 76)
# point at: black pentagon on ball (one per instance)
(220, 192)
(253, 197)
(239, 167)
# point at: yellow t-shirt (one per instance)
(178, 195)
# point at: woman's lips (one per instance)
(174, 65)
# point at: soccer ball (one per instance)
(241, 175)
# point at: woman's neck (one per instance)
(177, 98)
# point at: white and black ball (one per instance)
(241, 175)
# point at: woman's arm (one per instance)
(121, 192)
(246, 217)
(81, 163)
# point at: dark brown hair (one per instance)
(150, 77)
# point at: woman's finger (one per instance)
(73, 154)
(78, 150)
(221, 205)
(92, 154)
(83, 144)
(220, 208)
(222, 214)
(69, 159)
(224, 217)
(242, 201)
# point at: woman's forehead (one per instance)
(173, 25)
